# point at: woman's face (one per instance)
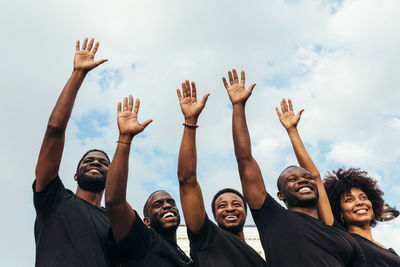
(356, 207)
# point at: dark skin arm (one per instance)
(250, 174)
(52, 148)
(121, 214)
(289, 121)
(189, 189)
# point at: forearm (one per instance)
(303, 158)
(305, 161)
(190, 192)
(250, 174)
(117, 177)
(53, 142)
(240, 132)
(187, 161)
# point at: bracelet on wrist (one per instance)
(194, 126)
(125, 143)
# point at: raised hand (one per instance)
(236, 90)
(191, 109)
(287, 117)
(128, 123)
(84, 57)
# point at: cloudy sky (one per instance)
(335, 59)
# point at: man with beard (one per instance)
(294, 236)
(132, 241)
(70, 229)
(209, 245)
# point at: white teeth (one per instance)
(231, 217)
(361, 211)
(168, 214)
(305, 189)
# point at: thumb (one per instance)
(299, 113)
(251, 87)
(101, 61)
(146, 123)
(204, 100)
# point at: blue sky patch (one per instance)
(90, 123)
(110, 77)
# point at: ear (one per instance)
(146, 221)
(280, 196)
(76, 176)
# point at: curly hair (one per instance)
(341, 181)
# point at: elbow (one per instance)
(187, 178)
(243, 157)
(112, 202)
(55, 128)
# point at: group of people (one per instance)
(322, 225)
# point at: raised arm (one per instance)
(53, 142)
(189, 189)
(250, 174)
(289, 121)
(119, 211)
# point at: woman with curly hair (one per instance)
(351, 199)
(357, 203)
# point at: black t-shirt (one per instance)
(68, 230)
(376, 255)
(296, 239)
(217, 247)
(144, 247)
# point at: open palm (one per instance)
(128, 123)
(191, 109)
(84, 57)
(287, 117)
(236, 90)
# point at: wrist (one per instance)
(191, 121)
(125, 138)
(79, 72)
(292, 129)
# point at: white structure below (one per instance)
(250, 233)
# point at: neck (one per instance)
(312, 211)
(240, 235)
(171, 237)
(362, 230)
(92, 198)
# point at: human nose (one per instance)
(167, 205)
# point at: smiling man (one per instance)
(70, 229)
(210, 245)
(151, 242)
(294, 236)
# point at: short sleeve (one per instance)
(358, 256)
(48, 199)
(268, 211)
(136, 243)
(205, 238)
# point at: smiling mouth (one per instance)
(305, 189)
(230, 217)
(361, 212)
(168, 215)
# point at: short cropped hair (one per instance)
(92, 150)
(227, 190)
(279, 182)
(145, 208)
(341, 181)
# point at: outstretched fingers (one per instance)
(130, 103)
(225, 83)
(119, 105)
(194, 93)
(84, 43)
(284, 106)
(230, 77)
(137, 105)
(184, 90)
(146, 123)
(78, 46)
(125, 106)
(243, 77)
(290, 104)
(278, 112)
(235, 76)
(90, 45)
(178, 92)
(188, 91)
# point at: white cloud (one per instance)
(341, 67)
